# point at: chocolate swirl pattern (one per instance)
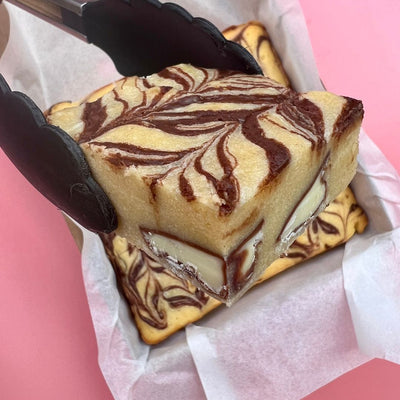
(200, 112)
(162, 303)
(208, 106)
(152, 291)
(205, 156)
(145, 292)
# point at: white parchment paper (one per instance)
(285, 338)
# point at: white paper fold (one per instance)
(290, 335)
(377, 186)
(371, 263)
(372, 280)
(50, 65)
(286, 345)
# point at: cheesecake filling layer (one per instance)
(210, 271)
(308, 207)
(188, 258)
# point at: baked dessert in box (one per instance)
(162, 302)
(179, 303)
(213, 173)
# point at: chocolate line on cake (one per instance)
(94, 115)
(351, 111)
(306, 117)
(237, 259)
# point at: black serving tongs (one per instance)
(144, 36)
(141, 37)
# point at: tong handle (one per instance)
(52, 162)
(46, 10)
(144, 36)
(65, 14)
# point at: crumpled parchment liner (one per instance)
(371, 263)
(286, 337)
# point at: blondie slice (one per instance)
(215, 173)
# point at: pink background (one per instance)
(48, 348)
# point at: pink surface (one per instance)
(48, 348)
